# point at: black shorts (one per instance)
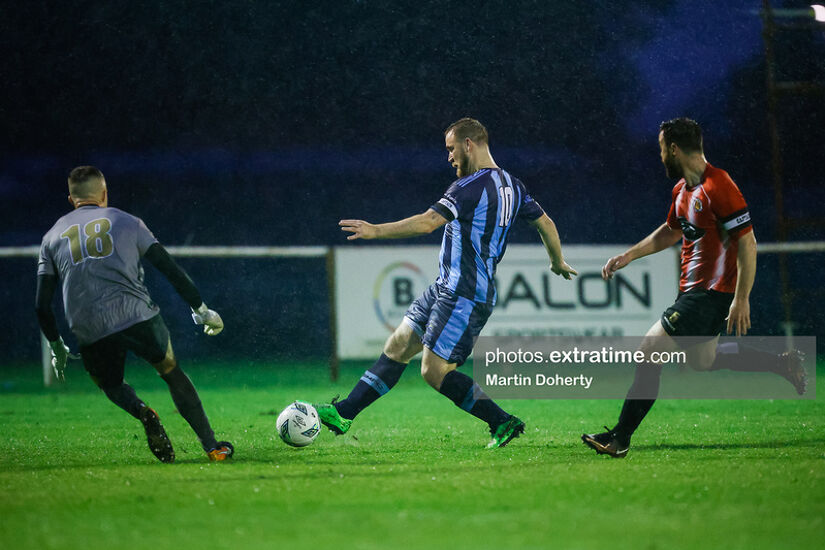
(697, 313)
(105, 359)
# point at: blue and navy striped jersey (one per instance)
(480, 208)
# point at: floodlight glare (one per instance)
(819, 12)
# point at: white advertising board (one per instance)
(375, 285)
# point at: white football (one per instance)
(298, 424)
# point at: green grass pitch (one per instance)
(75, 471)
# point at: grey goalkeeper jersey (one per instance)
(96, 254)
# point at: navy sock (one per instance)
(376, 381)
(640, 399)
(189, 406)
(739, 357)
(124, 396)
(461, 390)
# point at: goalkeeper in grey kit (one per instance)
(94, 254)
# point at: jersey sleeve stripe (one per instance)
(446, 209)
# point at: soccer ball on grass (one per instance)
(298, 424)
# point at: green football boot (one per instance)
(330, 418)
(506, 432)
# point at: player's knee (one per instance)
(169, 361)
(432, 374)
(427, 373)
(166, 366)
(646, 353)
(655, 351)
(401, 347)
(701, 362)
(392, 348)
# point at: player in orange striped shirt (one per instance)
(718, 265)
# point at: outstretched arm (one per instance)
(739, 316)
(663, 237)
(183, 285)
(552, 243)
(414, 226)
(202, 315)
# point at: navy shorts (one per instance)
(105, 360)
(447, 324)
(697, 312)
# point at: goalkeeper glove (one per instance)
(60, 356)
(211, 321)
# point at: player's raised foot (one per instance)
(790, 368)
(156, 436)
(221, 452)
(608, 443)
(506, 432)
(330, 418)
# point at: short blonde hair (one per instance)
(468, 128)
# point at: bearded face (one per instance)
(462, 163)
(672, 168)
(457, 156)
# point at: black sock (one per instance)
(739, 357)
(377, 381)
(640, 399)
(189, 406)
(124, 396)
(461, 390)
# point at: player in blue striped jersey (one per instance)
(478, 209)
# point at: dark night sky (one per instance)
(175, 101)
(253, 75)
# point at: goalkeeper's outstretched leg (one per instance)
(189, 405)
